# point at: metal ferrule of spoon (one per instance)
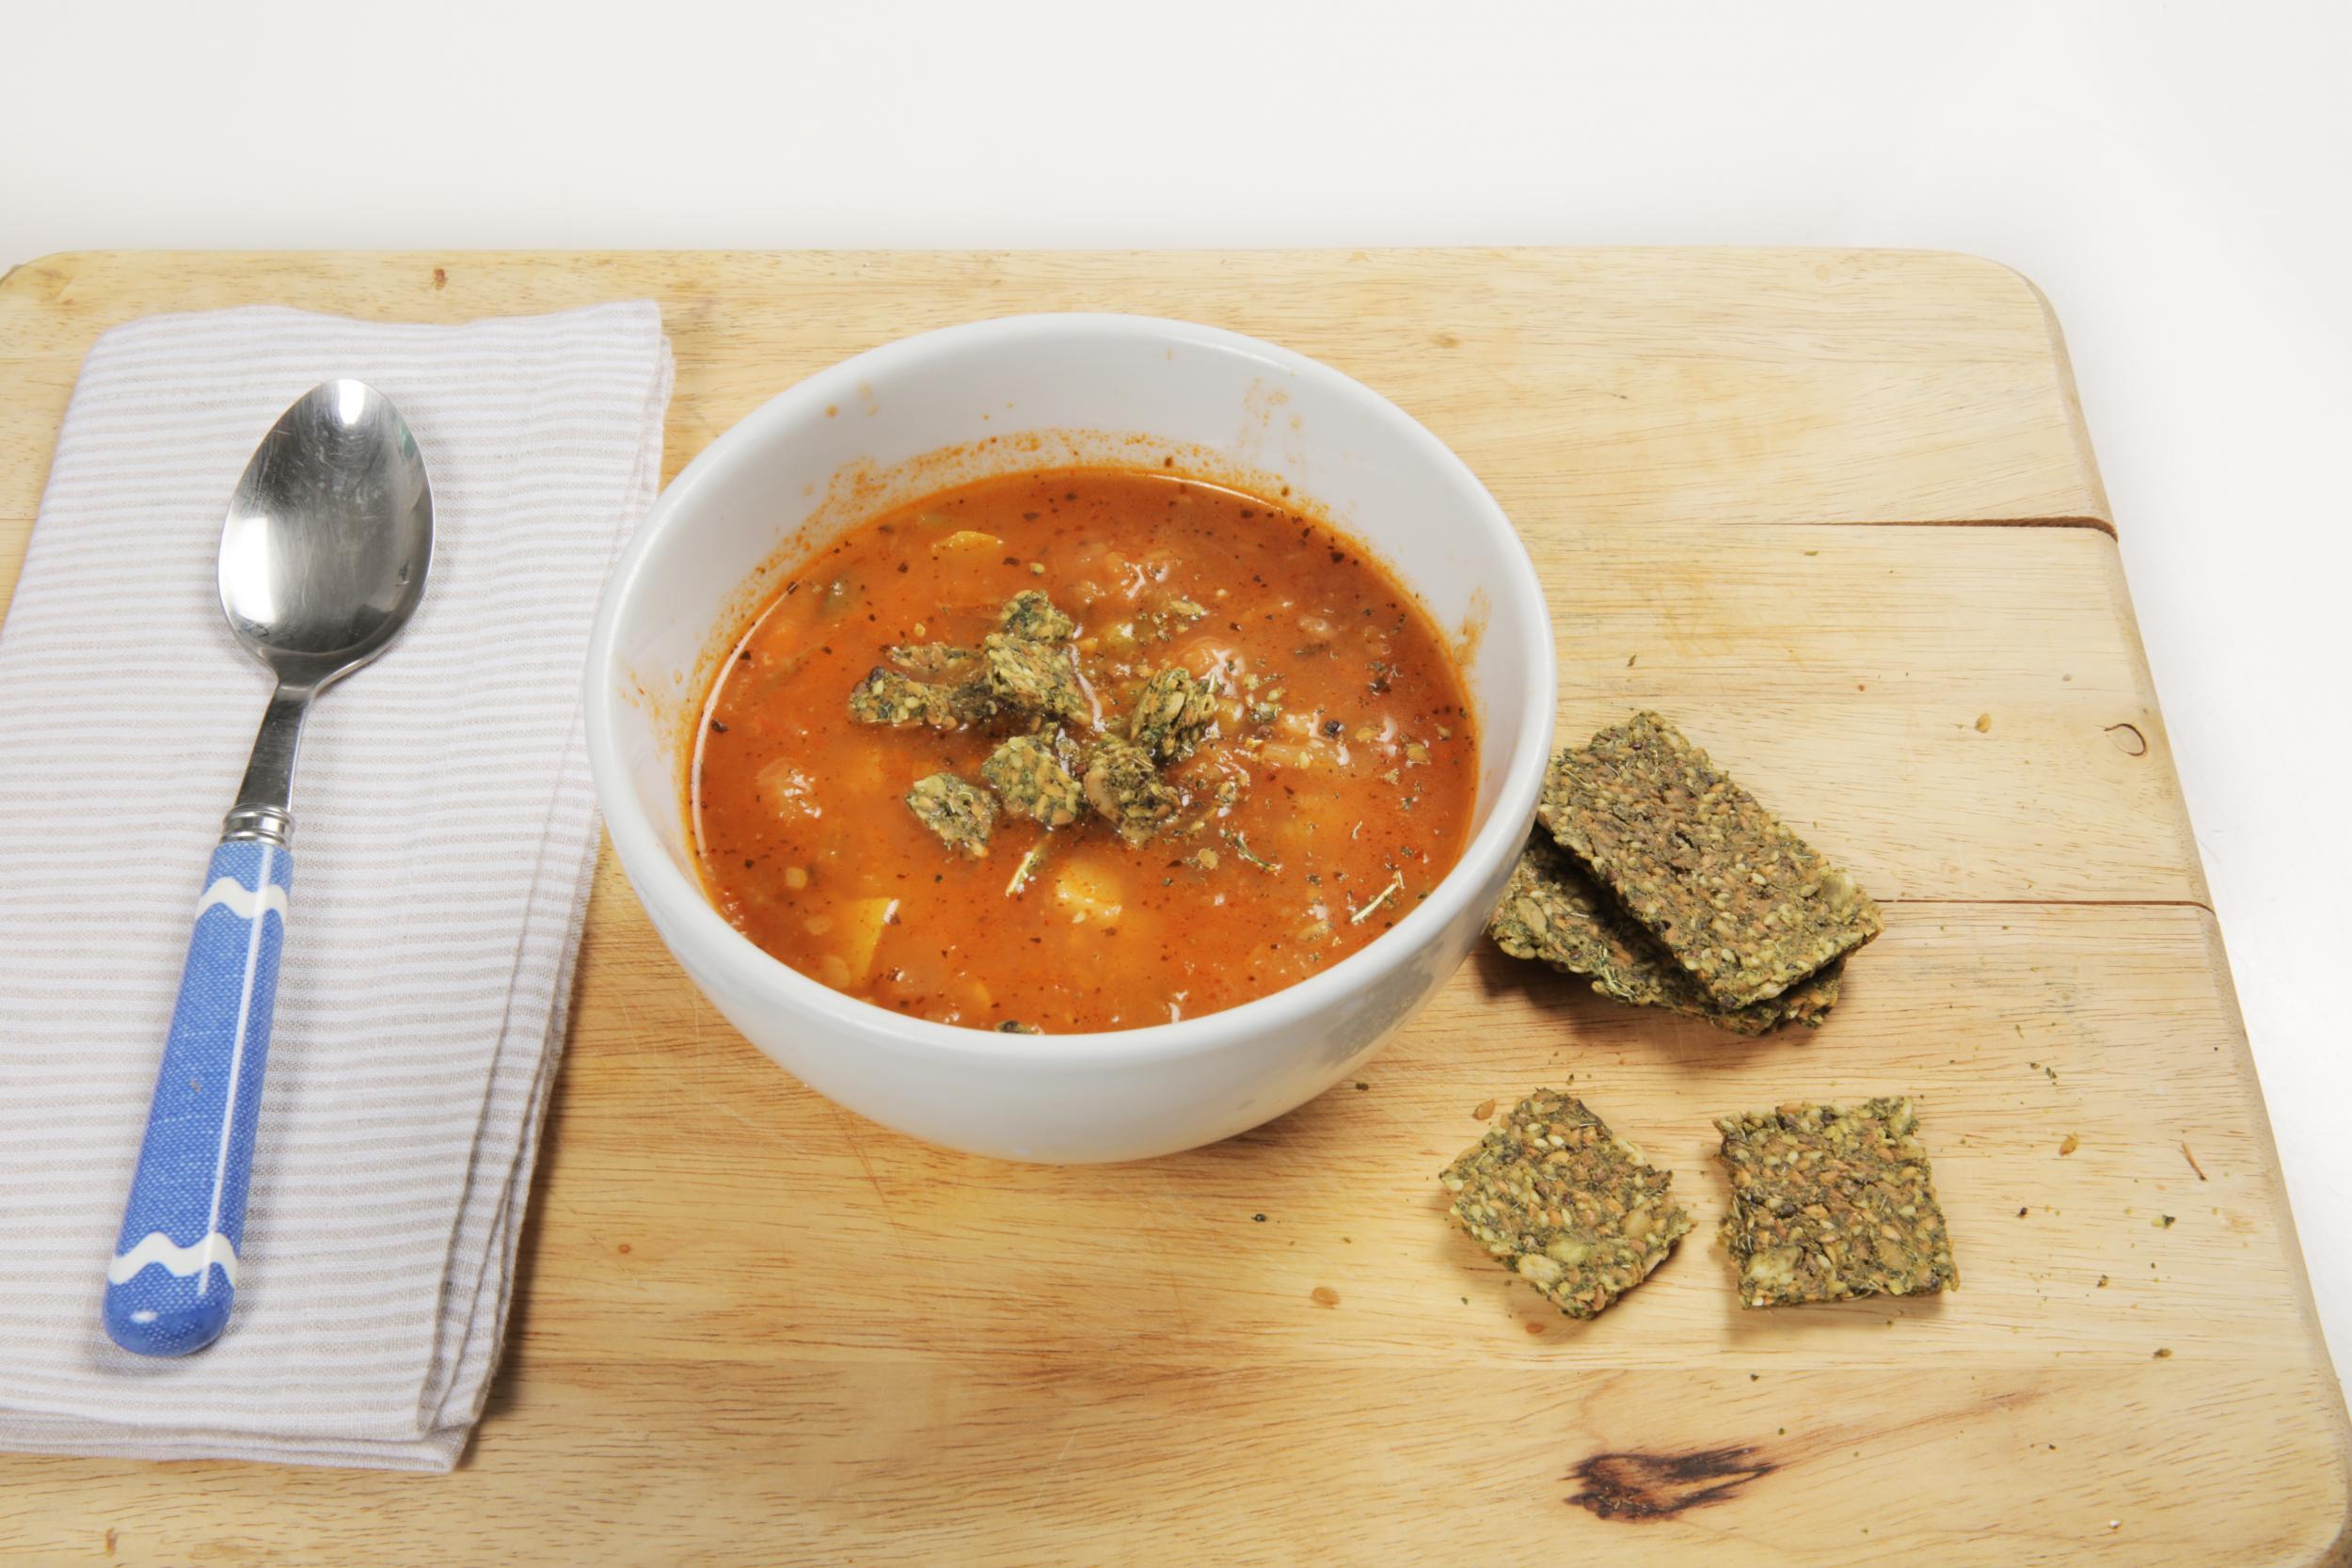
(322, 559)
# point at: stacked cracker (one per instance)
(1668, 885)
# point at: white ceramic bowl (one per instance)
(1020, 393)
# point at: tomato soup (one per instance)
(1081, 750)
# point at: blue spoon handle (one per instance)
(174, 1271)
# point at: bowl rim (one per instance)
(657, 881)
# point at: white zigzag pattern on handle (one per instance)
(157, 1248)
(238, 896)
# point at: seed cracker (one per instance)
(1552, 910)
(960, 814)
(936, 661)
(1031, 677)
(1032, 783)
(1564, 1203)
(1126, 790)
(888, 697)
(1833, 1201)
(1737, 900)
(1032, 616)
(1172, 713)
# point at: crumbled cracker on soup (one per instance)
(1031, 782)
(1742, 903)
(1033, 678)
(1552, 912)
(1032, 616)
(887, 697)
(960, 814)
(1172, 713)
(1564, 1203)
(1126, 790)
(1833, 1201)
(938, 661)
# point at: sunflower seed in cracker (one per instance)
(1738, 900)
(1552, 912)
(1833, 1201)
(1556, 1198)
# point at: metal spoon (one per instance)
(322, 560)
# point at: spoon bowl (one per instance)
(306, 591)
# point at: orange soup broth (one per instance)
(1333, 796)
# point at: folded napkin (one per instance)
(444, 835)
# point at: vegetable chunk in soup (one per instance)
(1081, 750)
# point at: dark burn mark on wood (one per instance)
(1660, 1485)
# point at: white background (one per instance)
(2175, 176)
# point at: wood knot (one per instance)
(2128, 739)
(1660, 1485)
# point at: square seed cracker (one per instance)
(1552, 912)
(1833, 1201)
(1742, 903)
(1556, 1198)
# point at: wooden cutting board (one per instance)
(1836, 512)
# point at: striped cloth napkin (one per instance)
(444, 835)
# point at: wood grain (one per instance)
(754, 1328)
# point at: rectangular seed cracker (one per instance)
(1552, 912)
(1833, 1201)
(1738, 900)
(1560, 1200)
